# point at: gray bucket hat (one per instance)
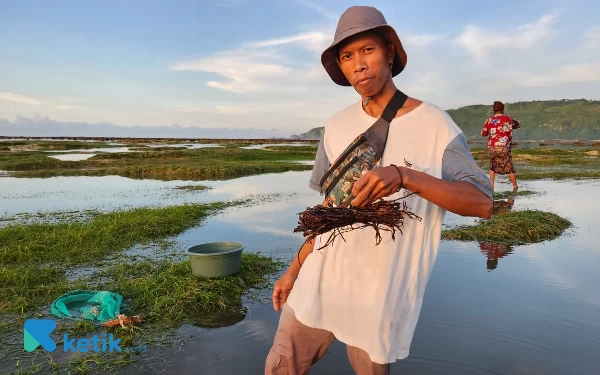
(354, 20)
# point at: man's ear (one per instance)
(391, 52)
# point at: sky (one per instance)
(250, 68)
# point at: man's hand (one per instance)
(282, 289)
(283, 286)
(375, 184)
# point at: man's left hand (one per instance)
(375, 184)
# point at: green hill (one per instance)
(549, 119)
(554, 119)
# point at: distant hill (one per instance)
(314, 133)
(548, 119)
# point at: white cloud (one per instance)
(592, 38)
(479, 42)
(261, 67)
(298, 108)
(61, 104)
(319, 9)
(419, 40)
(245, 70)
(260, 82)
(566, 74)
(68, 103)
(313, 41)
(188, 107)
(66, 107)
(273, 231)
(16, 98)
(428, 82)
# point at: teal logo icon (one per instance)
(37, 332)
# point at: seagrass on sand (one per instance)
(382, 215)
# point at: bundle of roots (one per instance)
(383, 215)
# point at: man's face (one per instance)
(365, 61)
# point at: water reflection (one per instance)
(493, 252)
(72, 157)
(259, 146)
(118, 149)
(98, 149)
(540, 315)
(501, 206)
(220, 318)
(32, 195)
(186, 145)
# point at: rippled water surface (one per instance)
(488, 309)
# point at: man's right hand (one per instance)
(283, 286)
(282, 289)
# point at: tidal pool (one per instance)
(72, 157)
(488, 308)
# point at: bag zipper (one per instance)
(341, 159)
(342, 173)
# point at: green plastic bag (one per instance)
(98, 306)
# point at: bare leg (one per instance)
(296, 347)
(362, 364)
(513, 179)
(492, 175)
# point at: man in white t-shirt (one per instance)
(369, 296)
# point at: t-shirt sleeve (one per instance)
(320, 167)
(458, 165)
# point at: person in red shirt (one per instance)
(499, 128)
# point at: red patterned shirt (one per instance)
(499, 128)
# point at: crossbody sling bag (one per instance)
(362, 155)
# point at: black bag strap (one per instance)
(393, 106)
(377, 134)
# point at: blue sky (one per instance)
(237, 66)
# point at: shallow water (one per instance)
(117, 147)
(259, 146)
(72, 157)
(35, 195)
(186, 145)
(529, 309)
(96, 149)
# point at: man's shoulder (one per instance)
(434, 111)
(342, 114)
(433, 114)
(341, 119)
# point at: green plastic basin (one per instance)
(216, 259)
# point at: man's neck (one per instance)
(378, 102)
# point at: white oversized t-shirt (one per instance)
(370, 296)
